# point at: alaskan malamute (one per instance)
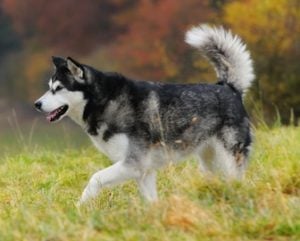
(142, 125)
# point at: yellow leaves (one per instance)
(271, 30)
(238, 15)
(169, 67)
(274, 25)
(35, 67)
(207, 72)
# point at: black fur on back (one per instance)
(179, 115)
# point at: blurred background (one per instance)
(143, 39)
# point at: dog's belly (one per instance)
(115, 148)
(118, 146)
(161, 156)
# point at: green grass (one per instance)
(39, 189)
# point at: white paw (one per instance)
(89, 193)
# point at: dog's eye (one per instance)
(58, 88)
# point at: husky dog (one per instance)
(142, 125)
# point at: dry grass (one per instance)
(39, 189)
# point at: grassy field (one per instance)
(15, 136)
(40, 186)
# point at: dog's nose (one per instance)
(38, 105)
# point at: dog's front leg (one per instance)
(110, 176)
(147, 186)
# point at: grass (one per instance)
(16, 137)
(39, 189)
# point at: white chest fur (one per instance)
(115, 148)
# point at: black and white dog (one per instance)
(141, 125)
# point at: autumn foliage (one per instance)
(71, 26)
(272, 32)
(154, 39)
(144, 39)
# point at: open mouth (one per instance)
(57, 113)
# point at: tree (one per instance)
(153, 47)
(8, 38)
(272, 31)
(68, 26)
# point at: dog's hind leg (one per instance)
(110, 176)
(205, 157)
(216, 158)
(233, 147)
(224, 162)
(147, 186)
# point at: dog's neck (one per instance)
(76, 114)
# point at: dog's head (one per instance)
(65, 95)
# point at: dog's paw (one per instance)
(85, 196)
(90, 192)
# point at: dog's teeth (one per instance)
(54, 114)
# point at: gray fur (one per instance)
(141, 126)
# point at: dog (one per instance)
(143, 125)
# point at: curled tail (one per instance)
(227, 52)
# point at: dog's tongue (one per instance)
(52, 115)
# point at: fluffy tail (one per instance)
(227, 52)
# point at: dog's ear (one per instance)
(58, 61)
(75, 68)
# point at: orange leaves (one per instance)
(68, 26)
(145, 39)
(148, 33)
(154, 40)
(187, 216)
